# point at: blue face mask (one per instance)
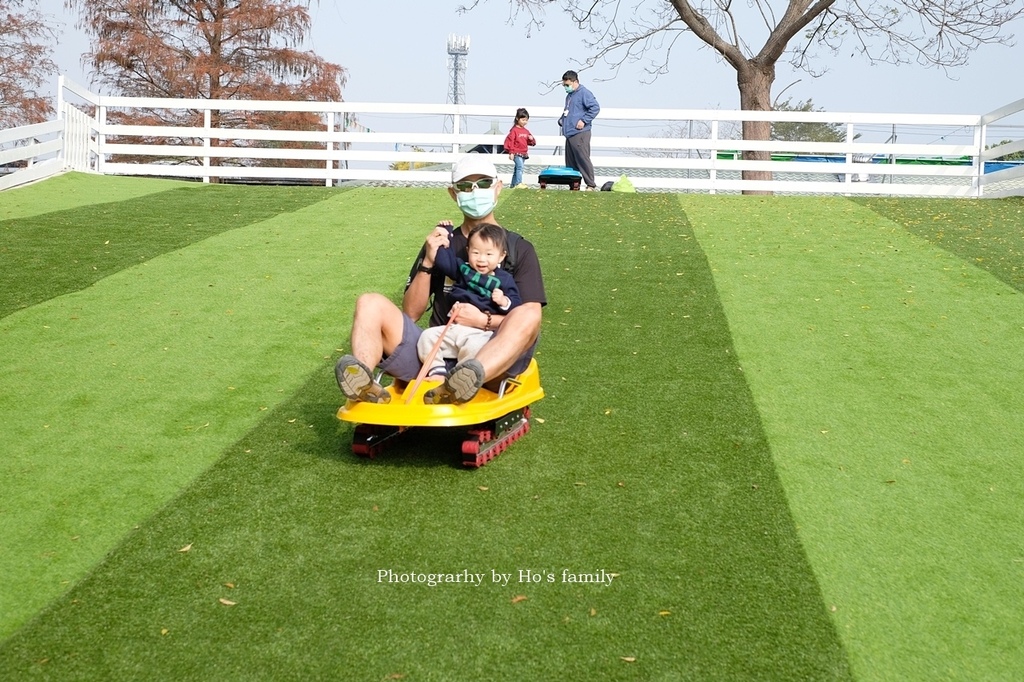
(476, 204)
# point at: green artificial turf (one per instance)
(646, 460)
(48, 254)
(117, 395)
(77, 190)
(988, 234)
(178, 413)
(887, 373)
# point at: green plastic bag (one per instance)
(623, 184)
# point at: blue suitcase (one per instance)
(560, 175)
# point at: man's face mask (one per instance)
(475, 199)
(568, 88)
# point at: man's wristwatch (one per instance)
(423, 268)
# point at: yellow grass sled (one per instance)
(496, 419)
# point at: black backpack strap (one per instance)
(511, 248)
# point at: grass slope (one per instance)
(989, 234)
(76, 190)
(647, 460)
(117, 395)
(887, 374)
(49, 254)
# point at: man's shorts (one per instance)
(404, 363)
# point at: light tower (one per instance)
(458, 60)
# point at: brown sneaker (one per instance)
(356, 381)
(461, 385)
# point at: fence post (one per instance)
(330, 120)
(849, 154)
(456, 126)
(713, 172)
(977, 185)
(101, 137)
(62, 154)
(206, 142)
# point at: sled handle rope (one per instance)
(433, 351)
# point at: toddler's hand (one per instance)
(437, 238)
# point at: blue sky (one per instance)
(395, 52)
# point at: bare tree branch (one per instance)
(26, 43)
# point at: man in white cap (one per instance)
(385, 336)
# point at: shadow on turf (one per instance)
(418, 447)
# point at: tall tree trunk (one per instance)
(755, 83)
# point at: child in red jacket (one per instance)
(516, 144)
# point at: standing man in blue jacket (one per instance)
(581, 108)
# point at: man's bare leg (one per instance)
(518, 331)
(377, 327)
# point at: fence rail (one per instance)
(30, 152)
(658, 149)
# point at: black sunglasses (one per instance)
(468, 185)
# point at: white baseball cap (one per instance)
(473, 164)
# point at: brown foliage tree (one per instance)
(26, 42)
(940, 33)
(209, 49)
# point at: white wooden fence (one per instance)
(658, 149)
(31, 152)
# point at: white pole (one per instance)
(206, 142)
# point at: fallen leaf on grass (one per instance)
(482, 487)
(518, 598)
(664, 613)
(593, 612)
(226, 602)
(230, 586)
(186, 548)
(628, 659)
(164, 631)
(539, 420)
